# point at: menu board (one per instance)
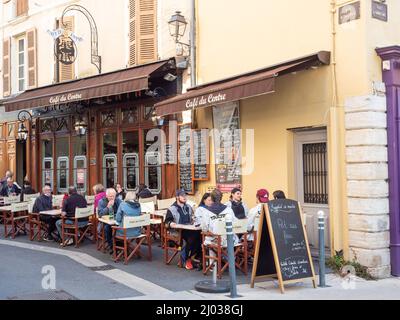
(282, 246)
(185, 172)
(200, 154)
(228, 144)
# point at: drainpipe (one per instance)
(193, 49)
(391, 77)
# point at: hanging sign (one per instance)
(282, 248)
(379, 11)
(349, 12)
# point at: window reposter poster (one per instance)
(227, 142)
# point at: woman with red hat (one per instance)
(262, 197)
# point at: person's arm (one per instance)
(169, 219)
(36, 206)
(103, 209)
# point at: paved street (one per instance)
(85, 273)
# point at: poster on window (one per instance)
(227, 143)
(80, 176)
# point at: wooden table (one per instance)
(52, 213)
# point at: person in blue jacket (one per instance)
(129, 208)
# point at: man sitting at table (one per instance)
(27, 189)
(45, 203)
(181, 213)
(109, 206)
(10, 189)
(75, 200)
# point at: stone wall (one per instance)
(367, 185)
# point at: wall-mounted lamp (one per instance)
(23, 132)
(177, 28)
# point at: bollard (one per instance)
(231, 256)
(321, 233)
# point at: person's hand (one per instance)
(110, 204)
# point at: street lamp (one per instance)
(177, 26)
(23, 132)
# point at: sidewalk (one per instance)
(360, 289)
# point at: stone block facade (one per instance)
(367, 183)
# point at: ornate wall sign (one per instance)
(379, 11)
(349, 12)
(65, 50)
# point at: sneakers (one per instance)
(69, 242)
(48, 238)
(188, 264)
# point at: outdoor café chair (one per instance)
(11, 199)
(146, 200)
(217, 251)
(29, 197)
(172, 244)
(74, 230)
(57, 201)
(126, 247)
(17, 219)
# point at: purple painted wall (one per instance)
(391, 76)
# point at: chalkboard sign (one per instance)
(200, 154)
(282, 248)
(185, 168)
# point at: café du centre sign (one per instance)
(204, 101)
(63, 98)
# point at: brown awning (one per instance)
(113, 83)
(239, 87)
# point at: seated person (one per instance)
(75, 200)
(130, 208)
(10, 189)
(181, 213)
(279, 194)
(45, 203)
(120, 192)
(27, 189)
(144, 192)
(262, 197)
(108, 206)
(99, 193)
(204, 203)
(210, 216)
(238, 207)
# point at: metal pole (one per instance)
(193, 44)
(231, 256)
(321, 232)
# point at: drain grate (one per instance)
(48, 295)
(102, 268)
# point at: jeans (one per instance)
(81, 224)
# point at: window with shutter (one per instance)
(143, 31)
(6, 67)
(22, 7)
(32, 58)
(66, 71)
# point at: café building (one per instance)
(93, 130)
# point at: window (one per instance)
(21, 75)
(80, 163)
(62, 150)
(315, 173)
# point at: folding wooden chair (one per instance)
(165, 203)
(57, 201)
(90, 199)
(29, 197)
(217, 251)
(36, 227)
(172, 244)
(11, 199)
(17, 219)
(131, 246)
(73, 230)
(146, 200)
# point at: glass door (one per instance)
(110, 160)
(47, 162)
(80, 163)
(130, 159)
(62, 152)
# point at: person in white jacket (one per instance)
(213, 217)
(204, 203)
(262, 197)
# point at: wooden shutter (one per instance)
(147, 39)
(22, 7)
(32, 58)
(132, 33)
(67, 71)
(6, 67)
